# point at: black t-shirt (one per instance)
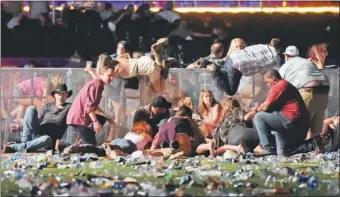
(145, 114)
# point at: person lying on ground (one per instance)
(249, 61)
(40, 131)
(327, 141)
(85, 117)
(283, 112)
(179, 124)
(139, 138)
(232, 133)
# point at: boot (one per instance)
(156, 49)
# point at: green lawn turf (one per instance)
(110, 168)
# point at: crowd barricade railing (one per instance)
(122, 103)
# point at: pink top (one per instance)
(38, 88)
(88, 98)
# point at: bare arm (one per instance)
(90, 70)
(216, 115)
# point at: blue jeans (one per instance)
(30, 138)
(127, 146)
(228, 78)
(42, 142)
(288, 134)
(31, 125)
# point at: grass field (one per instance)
(111, 168)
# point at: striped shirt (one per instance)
(300, 71)
(255, 59)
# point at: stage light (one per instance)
(334, 10)
(26, 8)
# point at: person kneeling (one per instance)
(177, 133)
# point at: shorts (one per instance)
(127, 146)
(144, 66)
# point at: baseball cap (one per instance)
(292, 51)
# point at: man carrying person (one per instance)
(284, 112)
(312, 83)
(85, 118)
(40, 131)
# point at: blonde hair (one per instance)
(56, 79)
(232, 46)
(105, 62)
(187, 101)
(202, 108)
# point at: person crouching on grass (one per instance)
(85, 118)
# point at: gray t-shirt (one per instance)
(53, 121)
(50, 114)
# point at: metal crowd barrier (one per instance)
(121, 103)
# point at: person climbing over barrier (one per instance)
(248, 61)
(156, 70)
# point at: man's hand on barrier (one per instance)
(211, 67)
(88, 66)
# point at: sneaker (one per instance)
(157, 50)
(165, 66)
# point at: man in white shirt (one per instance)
(312, 84)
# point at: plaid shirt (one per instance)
(255, 59)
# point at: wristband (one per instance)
(95, 121)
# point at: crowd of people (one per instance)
(86, 33)
(286, 120)
(289, 120)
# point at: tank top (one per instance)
(139, 140)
